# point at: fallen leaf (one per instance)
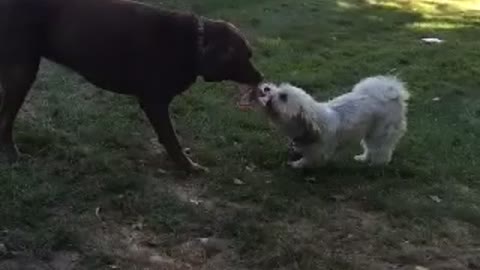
(435, 198)
(432, 40)
(251, 168)
(195, 201)
(238, 182)
(436, 99)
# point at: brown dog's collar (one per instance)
(200, 45)
(200, 36)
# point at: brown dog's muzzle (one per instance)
(255, 77)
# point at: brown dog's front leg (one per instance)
(159, 117)
(15, 81)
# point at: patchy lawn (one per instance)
(97, 192)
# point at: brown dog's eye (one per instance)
(283, 97)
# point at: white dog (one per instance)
(373, 113)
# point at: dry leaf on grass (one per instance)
(238, 182)
(435, 198)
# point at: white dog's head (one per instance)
(287, 102)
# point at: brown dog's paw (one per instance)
(9, 154)
(197, 168)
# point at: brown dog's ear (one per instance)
(217, 36)
(217, 48)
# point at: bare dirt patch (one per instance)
(348, 238)
(61, 260)
(140, 249)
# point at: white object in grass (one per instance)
(432, 40)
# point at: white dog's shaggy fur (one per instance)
(374, 113)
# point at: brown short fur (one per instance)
(120, 46)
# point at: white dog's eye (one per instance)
(267, 89)
(283, 97)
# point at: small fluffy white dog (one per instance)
(374, 113)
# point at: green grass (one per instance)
(88, 149)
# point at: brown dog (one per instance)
(121, 46)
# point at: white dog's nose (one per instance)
(266, 88)
(265, 93)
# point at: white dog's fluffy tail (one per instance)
(384, 88)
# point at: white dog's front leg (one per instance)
(312, 156)
(365, 155)
(328, 148)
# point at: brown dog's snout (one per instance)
(255, 77)
(260, 76)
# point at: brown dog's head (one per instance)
(226, 55)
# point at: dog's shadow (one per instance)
(347, 178)
(354, 172)
(365, 171)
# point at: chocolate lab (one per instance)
(121, 46)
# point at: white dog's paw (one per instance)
(299, 164)
(361, 158)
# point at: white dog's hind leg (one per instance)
(383, 142)
(364, 157)
(381, 156)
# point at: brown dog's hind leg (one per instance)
(159, 117)
(15, 80)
